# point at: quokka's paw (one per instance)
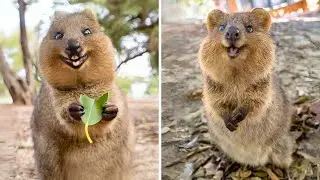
(231, 125)
(239, 115)
(109, 112)
(75, 111)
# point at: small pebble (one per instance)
(165, 130)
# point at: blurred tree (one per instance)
(153, 87)
(21, 90)
(124, 83)
(200, 2)
(130, 20)
(11, 43)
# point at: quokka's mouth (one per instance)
(75, 61)
(233, 51)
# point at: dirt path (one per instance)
(16, 154)
(185, 141)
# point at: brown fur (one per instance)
(61, 148)
(245, 82)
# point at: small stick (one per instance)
(180, 160)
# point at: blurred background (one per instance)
(186, 149)
(132, 25)
(192, 10)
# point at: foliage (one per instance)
(130, 19)
(126, 82)
(12, 45)
(153, 87)
(2, 87)
(200, 2)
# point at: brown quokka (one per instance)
(77, 58)
(247, 111)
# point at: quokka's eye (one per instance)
(58, 36)
(86, 32)
(221, 28)
(249, 29)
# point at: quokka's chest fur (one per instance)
(229, 96)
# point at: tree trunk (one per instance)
(21, 90)
(27, 62)
(18, 88)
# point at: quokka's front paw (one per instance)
(237, 116)
(231, 125)
(240, 114)
(75, 111)
(109, 112)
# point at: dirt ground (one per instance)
(16, 153)
(186, 149)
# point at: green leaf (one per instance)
(92, 108)
(102, 100)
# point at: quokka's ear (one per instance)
(213, 17)
(89, 14)
(263, 17)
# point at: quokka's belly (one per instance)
(95, 164)
(243, 147)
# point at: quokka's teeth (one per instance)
(74, 57)
(76, 63)
(233, 50)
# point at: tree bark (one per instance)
(18, 88)
(24, 44)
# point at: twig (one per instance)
(144, 27)
(271, 174)
(173, 141)
(315, 160)
(204, 141)
(180, 160)
(202, 162)
(318, 172)
(130, 58)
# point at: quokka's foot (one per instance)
(282, 152)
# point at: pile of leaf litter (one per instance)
(203, 160)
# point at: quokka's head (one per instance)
(75, 51)
(238, 40)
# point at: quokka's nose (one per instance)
(232, 34)
(73, 48)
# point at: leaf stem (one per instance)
(87, 132)
(86, 128)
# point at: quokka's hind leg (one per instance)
(281, 154)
